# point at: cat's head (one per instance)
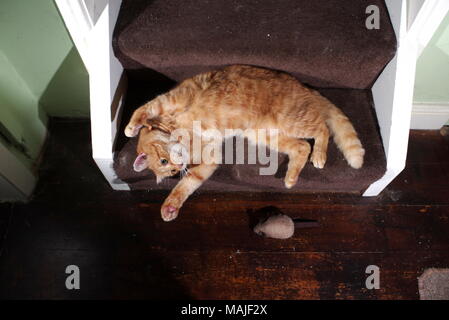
(159, 154)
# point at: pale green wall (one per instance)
(34, 38)
(432, 70)
(41, 73)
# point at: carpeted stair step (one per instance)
(323, 43)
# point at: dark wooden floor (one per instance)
(125, 250)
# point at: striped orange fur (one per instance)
(241, 97)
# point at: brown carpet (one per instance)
(324, 43)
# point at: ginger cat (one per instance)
(238, 97)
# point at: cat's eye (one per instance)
(164, 162)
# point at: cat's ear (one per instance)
(141, 162)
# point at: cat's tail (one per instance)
(345, 137)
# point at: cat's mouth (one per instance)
(181, 167)
(178, 168)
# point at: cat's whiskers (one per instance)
(181, 175)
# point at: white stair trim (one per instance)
(91, 25)
(393, 90)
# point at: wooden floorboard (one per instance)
(125, 250)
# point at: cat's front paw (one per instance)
(132, 130)
(169, 213)
(170, 209)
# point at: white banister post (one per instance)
(393, 90)
(91, 25)
(78, 22)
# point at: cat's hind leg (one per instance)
(298, 153)
(319, 153)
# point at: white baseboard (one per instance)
(429, 116)
(17, 174)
